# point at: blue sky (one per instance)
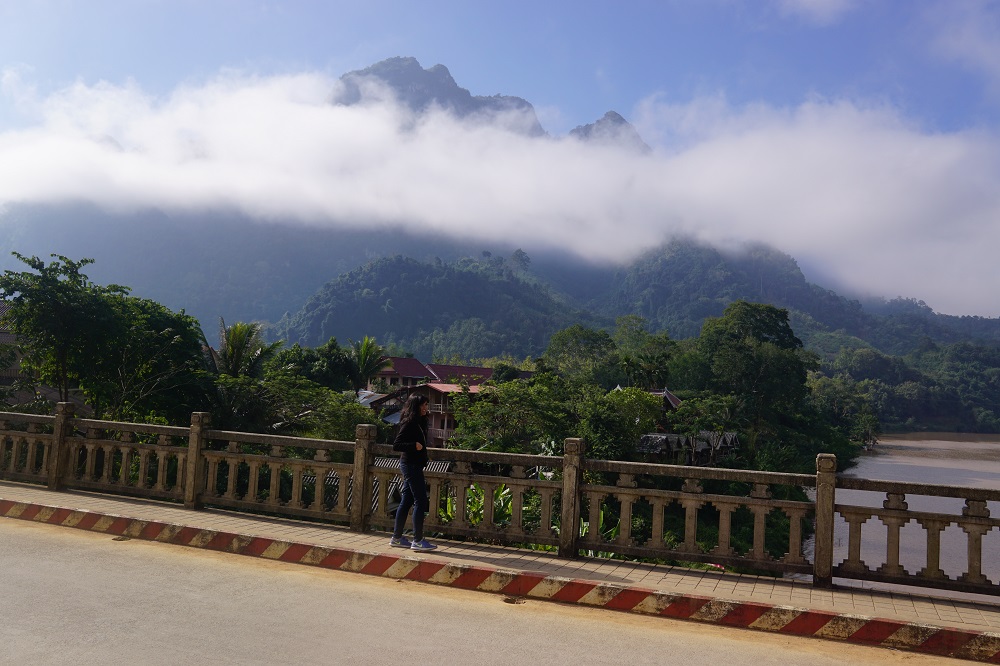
(859, 136)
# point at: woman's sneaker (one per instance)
(423, 544)
(400, 542)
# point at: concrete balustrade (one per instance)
(571, 503)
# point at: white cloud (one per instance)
(880, 205)
(968, 33)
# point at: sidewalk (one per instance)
(905, 621)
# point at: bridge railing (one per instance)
(894, 521)
(753, 520)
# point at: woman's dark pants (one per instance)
(413, 492)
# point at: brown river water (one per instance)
(952, 459)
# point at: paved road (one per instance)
(85, 598)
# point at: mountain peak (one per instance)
(421, 89)
(611, 129)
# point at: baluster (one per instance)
(517, 509)
(274, 490)
(933, 528)
(213, 475)
(489, 508)
(182, 470)
(32, 454)
(548, 497)
(462, 503)
(659, 505)
(109, 463)
(253, 487)
(854, 563)
(794, 554)
(724, 548)
(319, 495)
(124, 472)
(759, 551)
(594, 500)
(143, 469)
(46, 447)
(625, 521)
(691, 506)
(384, 479)
(434, 516)
(88, 468)
(161, 471)
(893, 501)
(297, 472)
(975, 532)
(233, 465)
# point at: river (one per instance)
(952, 459)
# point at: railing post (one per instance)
(361, 484)
(194, 476)
(826, 485)
(59, 447)
(569, 521)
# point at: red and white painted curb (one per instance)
(957, 643)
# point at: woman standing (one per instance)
(411, 442)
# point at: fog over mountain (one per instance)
(861, 193)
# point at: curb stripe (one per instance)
(875, 631)
(807, 623)
(862, 630)
(378, 565)
(573, 591)
(744, 615)
(684, 607)
(472, 578)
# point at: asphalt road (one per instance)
(74, 597)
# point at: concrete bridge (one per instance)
(518, 504)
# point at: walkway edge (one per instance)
(858, 629)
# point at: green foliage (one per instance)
(367, 358)
(612, 423)
(531, 416)
(130, 357)
(62, 320)
(585, 355)
(328, 365)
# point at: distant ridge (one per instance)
(421, 89)
(611, 129)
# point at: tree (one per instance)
(62, 320)
(241, 399)
(516, 416)
(242, 351)
(328, 365)
(150, 365)
(585, 355)
(754, 355)
(369, 358)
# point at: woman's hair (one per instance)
(412, 408)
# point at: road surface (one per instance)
(75, 597)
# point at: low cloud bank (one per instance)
(876, 203)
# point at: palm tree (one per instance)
(242, 351)
(241, 400)
(368, 358)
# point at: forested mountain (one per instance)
(475, 308)
(467, 309)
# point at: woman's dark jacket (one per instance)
(406, 441)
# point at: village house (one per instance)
(441, 416)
